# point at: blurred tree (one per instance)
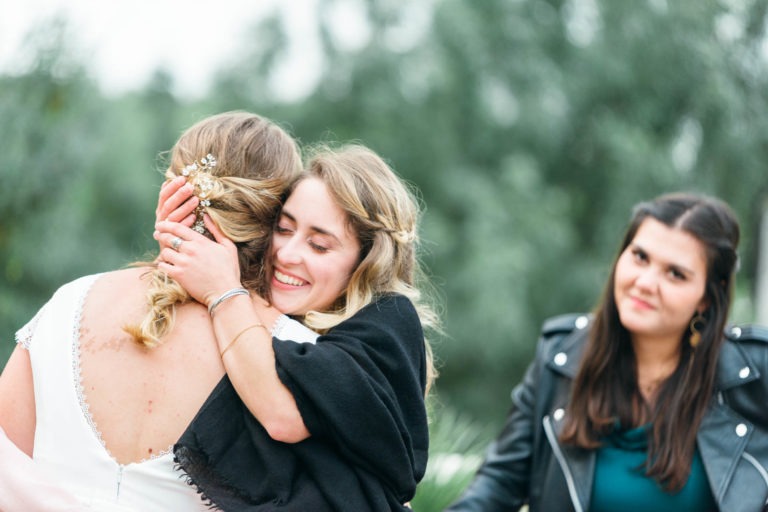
(530, 127)
(78, 176)
(46, 137)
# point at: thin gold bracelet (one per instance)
(237, 336)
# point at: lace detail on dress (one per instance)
(280, 323)
(286, 328)
(80, 390)
(25, 334)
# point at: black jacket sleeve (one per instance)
(501, 483)
(507, 478)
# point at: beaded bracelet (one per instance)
(226, 295)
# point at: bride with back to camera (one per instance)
(215, 400)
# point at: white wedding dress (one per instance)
(68, 447)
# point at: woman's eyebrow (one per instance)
(313, 228)
(676, 266)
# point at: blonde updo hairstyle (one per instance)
(384, 213)
(255, 161)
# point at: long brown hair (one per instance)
(605, 389)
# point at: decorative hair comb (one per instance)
(198, 174)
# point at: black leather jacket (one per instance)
(527, 463)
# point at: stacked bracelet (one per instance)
(224, 296)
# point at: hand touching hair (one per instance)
(255, 160)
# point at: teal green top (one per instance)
(620, 482)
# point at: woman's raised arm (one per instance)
(208, 270)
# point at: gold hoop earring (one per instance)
(695, 337)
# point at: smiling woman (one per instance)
(338, 423)
(258, 412)
(659, 287)
(650, 404)
(314, 250)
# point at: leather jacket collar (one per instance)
(723, 440)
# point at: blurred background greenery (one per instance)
(530, 127)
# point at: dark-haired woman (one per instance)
(651, 403)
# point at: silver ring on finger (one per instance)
(176, 243)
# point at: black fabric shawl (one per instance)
(360, 392)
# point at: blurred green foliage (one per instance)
(530, 128)
(457, 444)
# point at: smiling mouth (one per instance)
(289, 280)
(641, 303)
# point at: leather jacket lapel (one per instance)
(724, 435)
(721, 439)
(577, 464)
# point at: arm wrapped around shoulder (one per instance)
(360, 391)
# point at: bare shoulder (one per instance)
(115, 299)
(132, 277)
(119, 288)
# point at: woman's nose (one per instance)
(289, 251)
(647, 278)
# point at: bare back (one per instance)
(141, 400)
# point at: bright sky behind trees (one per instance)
(126, 41)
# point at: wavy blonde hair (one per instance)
(384, 212)
(256, 160)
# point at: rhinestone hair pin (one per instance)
(198, 174)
